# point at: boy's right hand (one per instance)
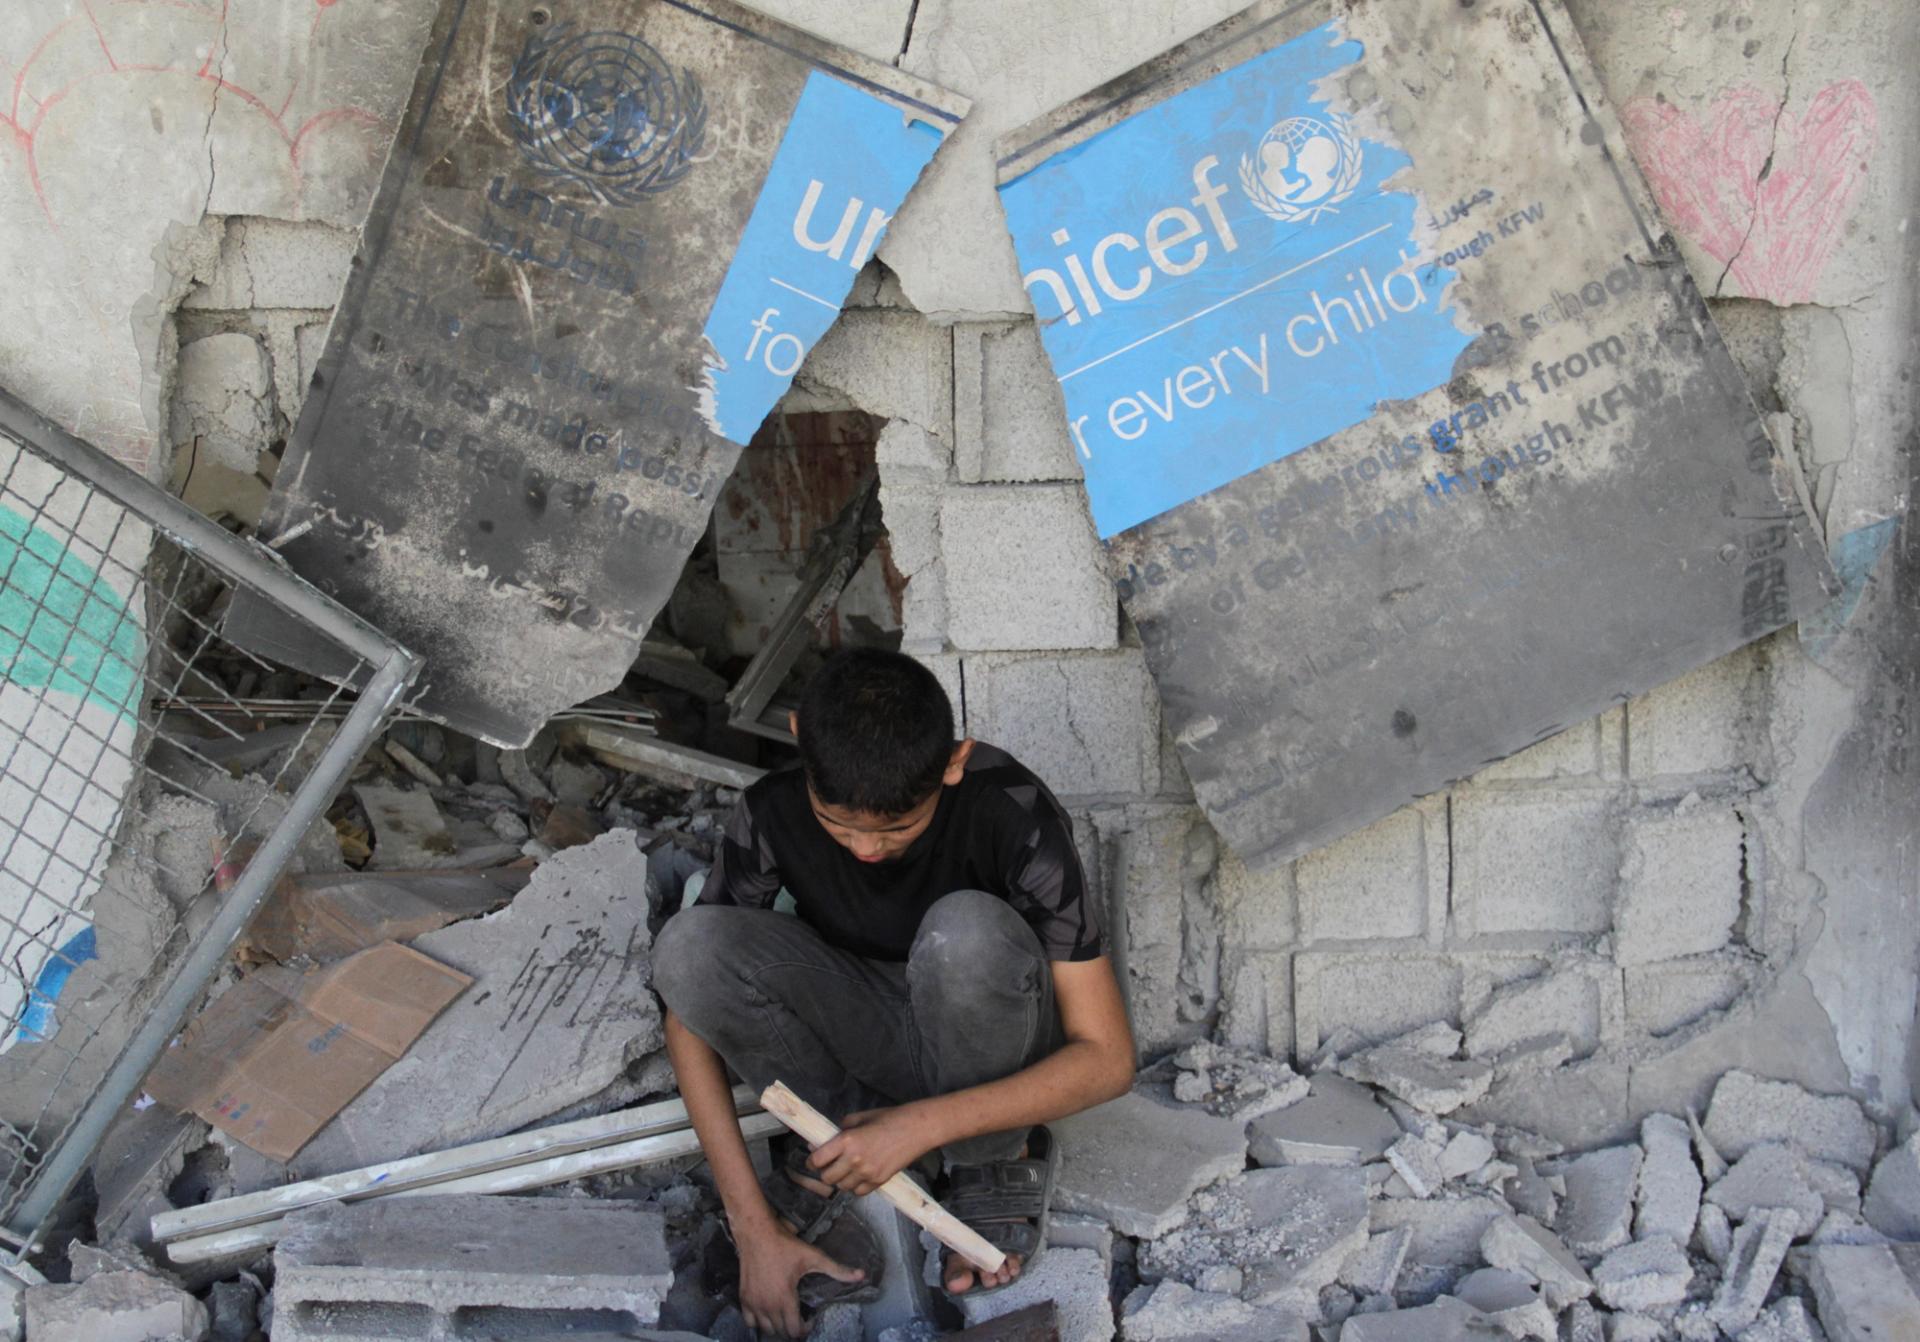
(772, 1261)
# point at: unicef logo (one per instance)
(605, 110)
(1302, 167)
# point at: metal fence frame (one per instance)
(391, 670)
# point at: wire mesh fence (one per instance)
(145, 807)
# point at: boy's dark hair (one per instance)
(876, 731)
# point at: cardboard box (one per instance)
(272, 1060)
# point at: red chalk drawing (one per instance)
(1762, 192)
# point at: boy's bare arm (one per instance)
(1094, 1065)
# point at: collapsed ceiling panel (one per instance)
(608, 235)
(1408, 432)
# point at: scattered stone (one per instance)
(1774, 1175)
(1645, 1274)
(1222, 1281)
(1338, 1123)
(1714, 1235)
(1862, 1293)
(1288, 1229)
(1071, 1279)
(1747, 1111)
(1598, 1213)
(1786, 1320)
(1759, 1248)
(113, 1307)
(1521, 1244)
(1236, 1085)
(1511, 1303)
(236, 1309)
(1582, 1324)
(1467, 1153)
(1892, 1205)
(1531, 1194)
(1174, 1312)
(1445, 1320)
(1135, 1162)
(1670, 1184)
(1637, 1328)
(1436, 1084)
(1417, 1161)
(1375, 1270)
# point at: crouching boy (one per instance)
(944, 987)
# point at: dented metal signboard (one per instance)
(1407, 431)
(608, 235)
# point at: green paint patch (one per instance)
(61, 626)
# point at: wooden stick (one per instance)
(816, 1129)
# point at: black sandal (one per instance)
(1007, 1203)
(830, 1225)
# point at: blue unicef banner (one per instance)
(1227, 277)
(1407, 433)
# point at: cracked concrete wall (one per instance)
(1760, 806)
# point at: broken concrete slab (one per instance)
(562, 1002)
(1229, 1083)
(1417, 1161)
(1838, 1186)
(1785, 1320)
(1436, 1084)
(1668, 1201)
(1136, 1162)
(1289, 1229)
(1773, 1175)
(1713, 1235)
(1465, 1154)
(1172, 1311)
(404, 1266)
(1582, 1324)
(1446, 1230)
(1598, 1212)
(1445, 1320)
(1071, 1279)
(1521, 1244)
(1339, 1122)
(1511, 1302)
(1375, 1270)
(1892, 1204)
(1863, 1294)
(113, 1307)
(408, 830)
(1645, 1274)
(1747, 1111)
(1759, 1248)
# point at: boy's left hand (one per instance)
(873, 1146)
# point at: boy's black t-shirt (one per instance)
(998, 830)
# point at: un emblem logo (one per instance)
(1302, 167)
(605, 110)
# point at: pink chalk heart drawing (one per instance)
(1773, 221)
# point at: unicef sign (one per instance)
(1411, 442)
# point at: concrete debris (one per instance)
(1668, 1201)
(1774, 1175)
(1231, 1084)
(1838, 1186)
(1714, 1234)
(1174, 1312)
(1288, 1229)
(1433, 1082)
(1892, 1204)
(1637, 1328)
(1581, 1323)
(409, 833)
(1417, 1161)
(1136, 1162)
(1511, 1302)
(1863, 1294)
(1446, 1236)
(1759, 1248)
(113, 1307)
(1445, 1320)
(1712, 1163)
(1842, 1228)
(1465, 1155)
(1747, 1111)
(1071, 1279)
(1531, 1193)
(1645, 1274)
(1598, 1212)
(404, 1266)
(1520, 1022)
(236, 1309)
(1375, 1270)
(1068, 1230)
(1786, 1320)
(1522, 1245)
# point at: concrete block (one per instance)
(1667, 995)
(1135, 1162)
(1010, 423)
(1338, 1123)
(222, 412)
(1289, 1231)
(1511, 1302)
(1535, 861)
(1696, 724)
(906, 1293)
(411, 1267)
(1563, 1002)
(113, 1307)
(1521, 1244)
(277, 263)
(1862, 1293)
(1582, 1324)
(1598, 1212)
(1256, 1009)
(1375, 994)
(892, 364)
(1681, 878)
(1071, 1230)
(1085, 723)
(1759, 1248)
(1786, 1320)
(562, 1002)
(1025, 572)
(1436, 1085)
(1892, 1204)
(1445, 1320)
(1234, 1085)
(1072, 1279)
(1668, 1202)
(1375, 1270)
(1172, 1311)
(1370, 885)
(1771, 1176)
(1574, 753)
(1643, 1275)
(1747, 1110)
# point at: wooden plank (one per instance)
(816, 1129)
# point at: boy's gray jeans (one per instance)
(972, 1003)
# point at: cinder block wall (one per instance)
(1719, 874)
